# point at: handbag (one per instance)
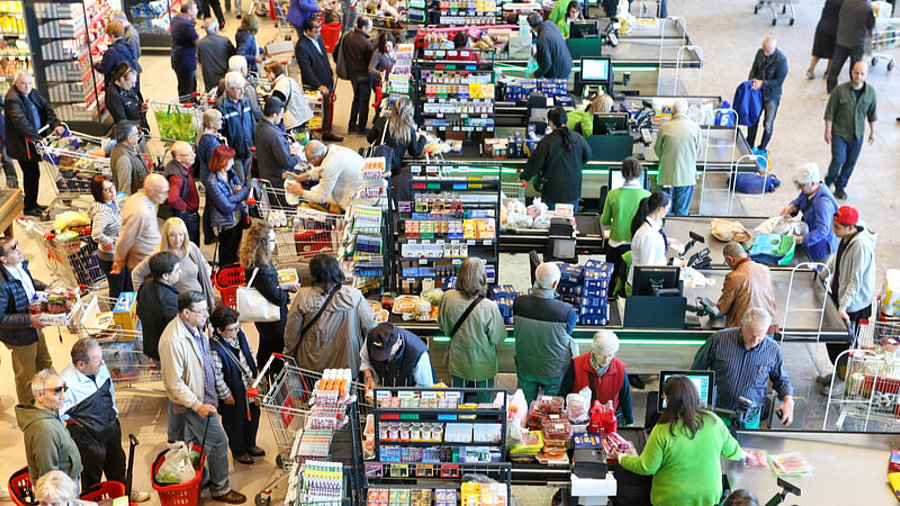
(252, 306)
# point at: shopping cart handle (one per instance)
(134, 441)
(251, 202)
(252, 392)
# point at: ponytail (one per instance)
(558, 117)
(647, 205)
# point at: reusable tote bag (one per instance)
(252, 306)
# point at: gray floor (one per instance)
(729, 35)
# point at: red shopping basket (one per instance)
(183, 494)
(331, 34)
(21, 490)
(227, 281)
(104, 490)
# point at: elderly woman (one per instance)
(106, 220)
(603, 373)
(56, 488)
(818, 206)
(328, 321)
(475, 327)
(195, 272)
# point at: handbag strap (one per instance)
(465, 315)
(252, 277)
(247, 373)
(315, 317)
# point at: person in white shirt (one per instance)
(337, 169)
(649, 244)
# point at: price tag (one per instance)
(454, 242)
(439, 242)
(453, 394)
(425, 241)
(406, 394)
(470, 242)
(382, 394)
(488, 242)
(429, 394)
(457, 261)
(423, 261)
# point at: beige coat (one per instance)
(139, 235)
(181, 361)
(334, 340)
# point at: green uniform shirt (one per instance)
(563, 25)
(620, 207)
(686, 472)
(848, 115)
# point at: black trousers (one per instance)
(841, 54)
(100, 454)
(271, 340)
(620, 273)
(187, 81)
(240, 431)
(31, 173)
(359, 109)
(229, 239)
(216, 7)
(118, 283)
(191, 220)
(835, 349)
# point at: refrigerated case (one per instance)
(14, 50)
(151, 19)
(67, 38)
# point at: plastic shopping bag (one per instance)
(174, 124)
(177, 467)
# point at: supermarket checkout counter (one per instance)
(12, 204)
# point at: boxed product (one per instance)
(555, 429)
(890, 297)
(125, 311)
(571, 273)
(287, 276)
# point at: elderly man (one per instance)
(139, 235)
(190, 380)
(238, 63)
(356, 50)
(336, 168)
(603, 373)
(20, 331)
(395, 357)
(238, 123)
(315, 71)
(768, 72)
(749, 284)
(157, 299)
(849, 107)
(543, 326)
(818, 206)
(853, 282)
(131, 35)
(128, 168)
(744, 359)
(184, 49)
(213, 52)
(678, 146)
(28, 116)
(856, 19)
(184, 199)
(48, 445)
(275, 155)
(552, 55)
(92, 424)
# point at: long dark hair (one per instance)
(683, 405)
(558, 117)
(649, 204)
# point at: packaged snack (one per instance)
(790, 464)
(555, 429)
(550, 405)
(755, 459)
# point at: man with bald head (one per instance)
(543, 326)
(849, 107)
(767, 74)
(139, 234)
(678, 146)
(749, 284)
(184, 199)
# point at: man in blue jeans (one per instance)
(190, 380)
(678, 146)
(767, 74)
(850, 105)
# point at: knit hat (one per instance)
(808, 173)
(846, 215)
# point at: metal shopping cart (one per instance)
(70, 257)
(71, 161)
(773, 7)
(884, 37)
(177, 121)
(156, 151)
(514, 190)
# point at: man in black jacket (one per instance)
(767, 73)
(356, 51)
(213, 52)
(856, 19)
(316, 72)
(553, 57)
(19, 331)
(157, 300)
(274, 154)
(27, 116)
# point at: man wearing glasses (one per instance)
(190, 380)
(48, 445)
(20, 332)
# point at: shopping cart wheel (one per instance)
(279, 462)
(874, 61)
(756, 10)
(792, 22)
(774, 21)
(262, 499)
(890, 65)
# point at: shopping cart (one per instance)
(884, 37)
(70, 257)
(227, 280)
(177, 121)
(71, 161)
(514, 190)
(773, 7)
(156, 151)
(123, 349)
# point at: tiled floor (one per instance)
(729, 35)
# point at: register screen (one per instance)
(703, 380)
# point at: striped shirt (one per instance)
(742, 372)
(106, 219)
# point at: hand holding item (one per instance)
(229, 400)
(36, 322)
(206, 410)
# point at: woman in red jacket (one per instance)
(603, 373)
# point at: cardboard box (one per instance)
(572, 273)
(125, 311)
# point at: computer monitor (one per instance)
(705, 381)
(596, 69)
(583, 29)
(617, 179)
(648, 279)
(606, 123)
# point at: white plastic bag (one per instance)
(540, 213)
(783, 226)
(176, 467)
(577, 406)
(518, 407)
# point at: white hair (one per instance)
(22, 72)
(55, 486)
(119, 16)
(546, 275)
(756, 315)
(605, 341)
(315, 149)
(680, 106)
(39, 382)
(211, 25)
(237, 63)
(234, 80)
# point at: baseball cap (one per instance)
(381, 340)
(846, 215)
(807, 174)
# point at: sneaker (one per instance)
(810, 74)
(244, 459)
(4, 494)
(139, 495)
(824, 379)
(232, 497)
(839, 193)
(256, 452)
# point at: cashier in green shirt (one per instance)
(684, 449)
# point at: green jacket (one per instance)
(620, 207)
(678, 146)
(473, 350)
(559, 11)
(583, 118)
(848, 115)
(563, 25)
(686, 472)
(48, 445)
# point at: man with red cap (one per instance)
(852, 280)
(395, 357)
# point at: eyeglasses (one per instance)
(205, 310)
(109, 188)
(58, 390)
(233, 328)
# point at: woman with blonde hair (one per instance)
(475, 327)
(195, 272)
(255, 254)
(401, 136)
(582, 121)
(210, 139)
